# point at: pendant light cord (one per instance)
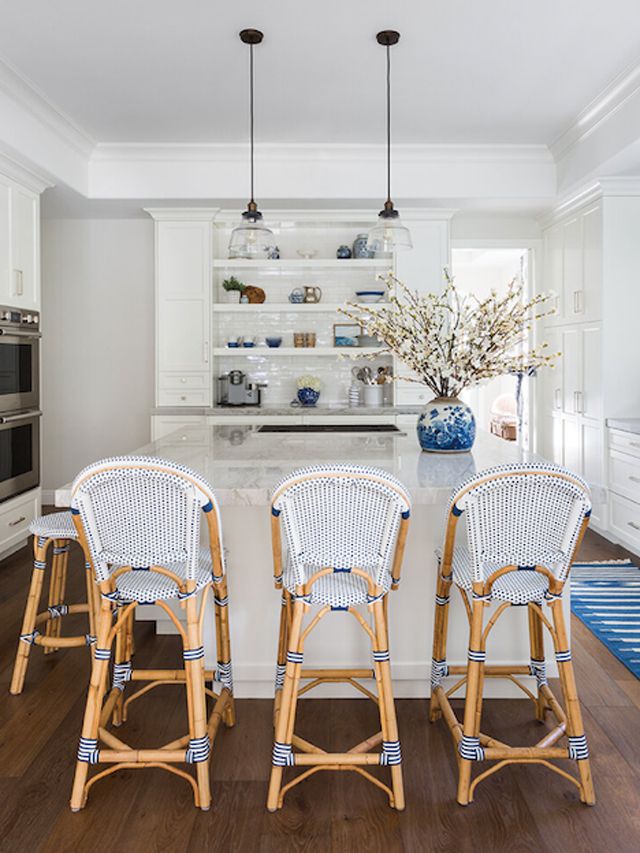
(388, 123)
(251, 112)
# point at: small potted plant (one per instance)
(308, 390)
(231, 287)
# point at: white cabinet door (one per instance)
(572, 281)
(551, 377)
(421, 269)
(553, 269)
(572, 444)
(24, 285)
(591, 299)
(183, 257)
(570, 365)
(590, 392)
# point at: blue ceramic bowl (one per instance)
(308, 397)
(248, 344)
(273, 342)
(233, 344)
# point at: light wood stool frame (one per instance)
(291, 640)
(52, 618)
(568, 720)
(103, 705)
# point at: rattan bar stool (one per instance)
(138, 519)
(344, 534)
(51, 533)
(524, 525)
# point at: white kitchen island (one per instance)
(243, 465)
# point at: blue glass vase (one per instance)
(308, 397)
(446, 425)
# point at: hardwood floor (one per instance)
(519, 809)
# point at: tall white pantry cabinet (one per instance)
(591, 264)
(19, 288)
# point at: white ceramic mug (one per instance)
(372, 395)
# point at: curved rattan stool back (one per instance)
(340, 516)
(523, 515)
(142, 511)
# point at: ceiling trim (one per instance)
(601, 109)
(307, 152)
(16, 171)
(606, 187)
(182, 214)
(27, 95)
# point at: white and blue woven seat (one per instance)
(518, 587)
(338, 590)
(145, 586)
(56, 525)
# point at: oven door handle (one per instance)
(22, 416)
(19, 333)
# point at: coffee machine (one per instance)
(235, 389)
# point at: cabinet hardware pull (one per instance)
(18, 282)
(633, 524)
(17, 521)
(577, 302)
(558, 398)
(634, 444)
(183, 380)
(634, 479)
(206, 352)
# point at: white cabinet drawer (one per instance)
(624, 519)
(415, 395)
(624, 475)
(162, 425)
(627, 442)
(15, 518)
(180, 381)
(183, 398)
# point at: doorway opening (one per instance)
(501, 405)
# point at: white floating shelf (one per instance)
(286, 264)
(286, 307)
(267, 352)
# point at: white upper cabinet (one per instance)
(183, 304)
(573, 266)
(19, 246)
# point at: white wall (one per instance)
(97, 348)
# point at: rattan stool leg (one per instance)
(575, 727)
(30, 613)
(281, 663)
(472, 703)
(538, 665)
(91, 602)
(439, 655)
(88, 750)
(120, 658)
(197, 703)
(57, 584)
(388, 720)
(286, 715)
(223, 646)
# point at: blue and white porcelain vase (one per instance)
(308, 396)
(446, 425)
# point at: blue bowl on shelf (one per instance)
(369, 295)
(233, 344)
(273, 342)
(308, 396)
(248, 344)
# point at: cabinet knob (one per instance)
(183, 397)
(183, 380)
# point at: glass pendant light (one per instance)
(252, 238)
(388, 234)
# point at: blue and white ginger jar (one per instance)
(446, 425)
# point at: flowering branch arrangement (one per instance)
(453, 341)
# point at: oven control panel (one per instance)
(16, 318)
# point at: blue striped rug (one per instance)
(606, 597)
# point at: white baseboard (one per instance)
(48, 496)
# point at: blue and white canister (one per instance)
(446, 425)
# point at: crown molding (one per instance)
(603, 107)
(605, 187)
(27, 95)
(32, 179)
(182, 214)
(309, 152)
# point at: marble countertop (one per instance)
(262, 411)
(625, 424)
(243, 465)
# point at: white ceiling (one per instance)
(495, 71)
